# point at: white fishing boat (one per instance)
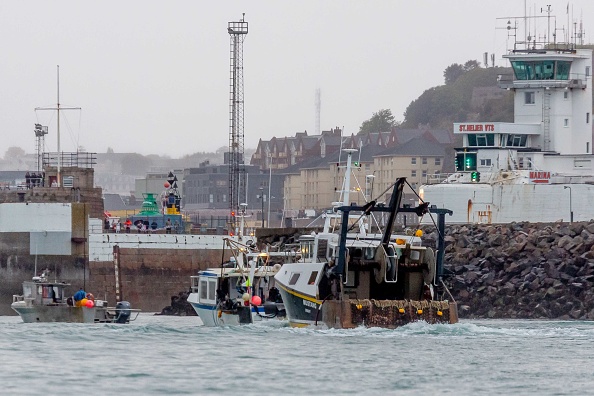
(44, 301)
(540, 168)
(242, 290)
(347, 279)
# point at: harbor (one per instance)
(208, 238)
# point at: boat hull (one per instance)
(302, 310)
(57, 313)
(211, 316)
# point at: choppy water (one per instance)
(158, 355)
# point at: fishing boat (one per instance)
(348, 279)
(44, 301)
(540, 168)
(242, 290)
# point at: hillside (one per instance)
(473, 96)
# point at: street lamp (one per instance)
(570, 209)
(262, 200)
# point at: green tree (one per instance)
(471, 64)
(14, 152)
(382, 121)
(452, 73)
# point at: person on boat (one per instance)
(154, 225)
(168, 226)
(128, 225)
(176, 226)
(28, 180)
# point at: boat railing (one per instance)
(17, 298)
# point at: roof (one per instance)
(415, 147)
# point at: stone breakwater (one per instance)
(521, 270)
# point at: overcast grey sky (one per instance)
(153, 76)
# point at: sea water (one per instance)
(163, 355)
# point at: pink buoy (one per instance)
(256, 300)
(90, 304)
(166, 185)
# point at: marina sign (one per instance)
(540, 177)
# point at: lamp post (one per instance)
(570, 209)
(262, 200)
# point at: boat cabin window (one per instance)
(208, 290)
(203, 289)
(294, 278)
(307, 249)
(27, 291)
(312, 278)
(194, 283)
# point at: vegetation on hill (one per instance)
(441, 106)
(381, 121)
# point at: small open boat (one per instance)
(45, 301)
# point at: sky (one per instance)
(152, 77)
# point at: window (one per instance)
(212, 288)
(529, 98)
(587, 118)
(294, 278)
(486, 162)
(312, 278)
(413, 160)
(483, 139)
(413, 173)
(516, 140)
(424, 174)
(581, 163)
(565, 95)
(203, 289)
(541, 70)
(437, 161)
(566, 122)
(587, 71)
(424, 160)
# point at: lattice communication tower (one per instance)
(40, 132)
(237, 32)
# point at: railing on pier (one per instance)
(76, 159)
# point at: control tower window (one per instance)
(481, 140)
(541, 70)
(516, 141)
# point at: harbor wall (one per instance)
(521, 270)
(41, 235)
(148, 277)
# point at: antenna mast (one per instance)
(318, 110)
(58, 108)
(237, 32)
